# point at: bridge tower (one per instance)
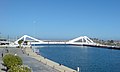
(82, 40)
(29, 39)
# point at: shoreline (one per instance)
(48, 62)
(97, 45)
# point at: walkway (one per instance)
(32, 63)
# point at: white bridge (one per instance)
(28, 40)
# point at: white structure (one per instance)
(30, 40)
(83, 40)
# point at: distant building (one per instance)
(4, 41)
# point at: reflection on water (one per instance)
(89, 59)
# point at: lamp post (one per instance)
(8, 38)
(0, 34)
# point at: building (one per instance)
(4, 41)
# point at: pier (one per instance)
(34, 64)
(52, 64)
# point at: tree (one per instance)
(11, 60)
(111, 41)
(20, 42)
(19, 69)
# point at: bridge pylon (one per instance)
(29, 39)
(82, 40)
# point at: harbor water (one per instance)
(88, 59)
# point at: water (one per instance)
(89, 59)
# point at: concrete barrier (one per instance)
(48, 62)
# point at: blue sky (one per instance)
(60, 19)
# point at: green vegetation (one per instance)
(11, 60)
(19, 69)
(14, 64)
(107, 42)
(20, 42)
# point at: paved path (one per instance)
(48, 62)
(32, 63)
(1, 66)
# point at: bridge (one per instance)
(28, 40)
